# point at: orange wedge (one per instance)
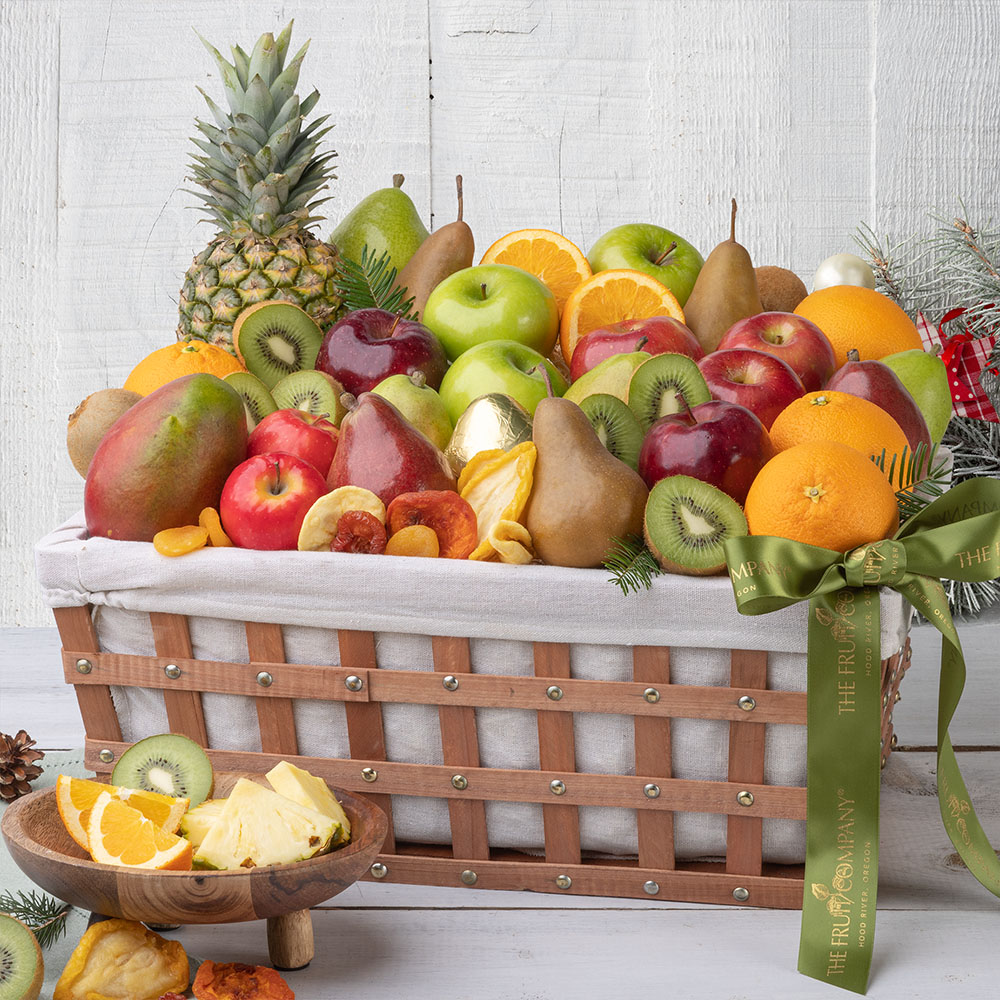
(121, 835)
(560, 265)
(610, 297)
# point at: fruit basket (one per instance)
(524, 727)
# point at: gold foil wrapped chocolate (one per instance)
(491, 421)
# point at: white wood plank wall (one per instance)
(572, 114)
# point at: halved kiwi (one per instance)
(274, 339)
(257, 401)
(170, 764)
(666, 383)
(686, 523)
(22, 968)
(616, 426)
(315, 392)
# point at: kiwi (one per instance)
(274, 339)
(170, 764)
(22, 968)
(257, 401)
(315, 392)
(616, 426)
(686, 523)
(780, 290)
(91, 420)
(666, 383)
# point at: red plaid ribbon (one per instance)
(966, 357)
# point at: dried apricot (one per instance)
(413, 540)
(209, 520)
(444, 512)
(359, 531)
(236, 981)
(180, 541)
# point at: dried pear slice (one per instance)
(498, 490)
(511, 543)
(319, 526)
(475, 463)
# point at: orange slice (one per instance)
(121, 835)
(610, 297)
(559, 264)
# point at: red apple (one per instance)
(664, 335)
(720, 443)
(295, 432)
(762, 383)
(266, 498)
(802, 345)
(369, 345)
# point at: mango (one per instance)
(166, 459)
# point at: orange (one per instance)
(822, 493)
(561, 265)
(75, 798)
(121, 835)
(860, 319)
(609, 297)
(838, 416)
(179, 359)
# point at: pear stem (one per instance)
(458, 184)
(666, 253)
(732, 223)
(419, 379)
(483, 287)
(852, 355)
(540, 367)
(397, 180)
(348, 400)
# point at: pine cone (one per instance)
(17, 765)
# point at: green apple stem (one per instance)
(397, 180)
(458, 184)
(540, 367)
(852, 355)
(419, 379)
(483, 287)
(732, 223)
(666, 253)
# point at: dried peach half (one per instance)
(359, 531)
(450, 517)
(236, 981)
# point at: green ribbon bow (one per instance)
(957, 537)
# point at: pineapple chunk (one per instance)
(260, 827)
(308, 790)
(196, 822)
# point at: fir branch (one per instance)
(371, 284)
(45, 915)
(631, 564)
(918, 477)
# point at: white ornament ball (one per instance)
(843, 269)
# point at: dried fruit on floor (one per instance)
(122, 960)
(236, 981)
(17, 764)
(450, 517)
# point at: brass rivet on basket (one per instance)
(744, 798)
(460, 781)
(650, 888)
(557, 787)
(469, 877)
(450, 682)
(369, 774)
(651, 791)
(106, 756)
(882, 765)
(747, 703)
(651, 695)
(896, 698)
(84, 666)
(563, 881)
(894, 742)
(354, 683)
(172, 671)
(740, 894)
(554, 692)
(379, 870)
(881, 744)
(885, 699)
(264, 679)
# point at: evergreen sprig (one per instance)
(631, 565)
(45, 915)
(918, 477)
(371, 284)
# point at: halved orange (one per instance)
(610, 297)
(549, 256)
(121, 835)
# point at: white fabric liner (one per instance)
(502, 609)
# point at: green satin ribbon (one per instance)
(956, 537)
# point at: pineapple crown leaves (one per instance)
(258, 165)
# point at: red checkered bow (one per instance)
(967, 358)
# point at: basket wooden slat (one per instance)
(185, 713)
(275, 716)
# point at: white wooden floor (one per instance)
(937, 930)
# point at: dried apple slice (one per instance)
(444, 512)
(511, 542)
(498, 490)
(319, 526)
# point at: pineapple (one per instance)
(259, 173)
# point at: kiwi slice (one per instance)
(257, 401)
(315, 392)
(686, 523)
(615, 425)
(22, 968)
(666, 383)
(274, 339)
(170, 764)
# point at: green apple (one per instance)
(492, 302)
(611, 376)
(419, 404)
(645, 247)
(926, 379)
(498, 366)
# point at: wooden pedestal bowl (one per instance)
(281, 894)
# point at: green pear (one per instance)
(386, 220)
(926, 379)
(612, 376)
(419, 404)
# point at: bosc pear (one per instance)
(724, 292)
(582, 497)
